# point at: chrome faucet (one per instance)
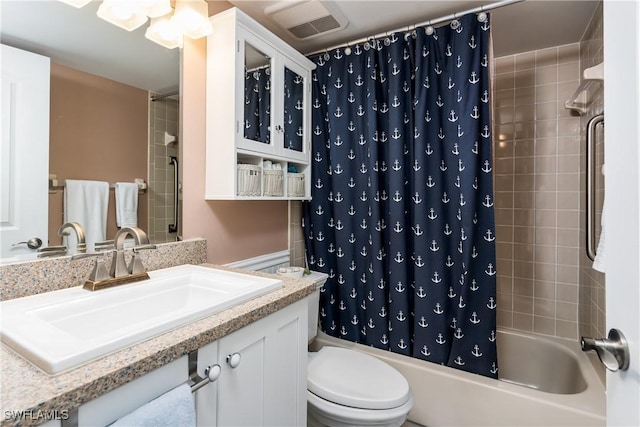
(77, 228)
(119, 267)
(119, 273)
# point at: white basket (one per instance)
(249, 178)
(295, 184)
(273, 183)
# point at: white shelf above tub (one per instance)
(591, 77)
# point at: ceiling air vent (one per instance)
(307, 19)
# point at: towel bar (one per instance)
(173, 228)
(211, 373)
(590, 211)
(55, 185)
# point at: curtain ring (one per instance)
(326, 56)
(482, 17)
(429, 30)
(347, 50)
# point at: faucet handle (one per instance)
(135, 266)
(103, 246)
(99, 271)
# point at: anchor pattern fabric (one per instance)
(401, 216)
(257, 107)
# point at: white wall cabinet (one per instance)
(263, 377)
(258, 113)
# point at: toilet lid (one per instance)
(352, 378)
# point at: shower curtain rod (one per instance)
(435, 21)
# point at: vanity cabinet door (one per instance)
(263, 380)
(243, 356)
(264, 371)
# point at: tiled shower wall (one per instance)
(592, 283)
(296, 238)
(537, 190)
(163, 116)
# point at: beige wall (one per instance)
(98, 131)
(234, 230)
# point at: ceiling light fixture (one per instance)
(168, 26)
(192, 18)
(76, 3)
(158, 8)
(128, 15)
(164, 32)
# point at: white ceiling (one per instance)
(520, 27)
(77, 38)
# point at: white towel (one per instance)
(126, 204)
(175, 408)
(599, 264)
(86, 203)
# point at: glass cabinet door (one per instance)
(294, 124)
(257, 95)
(293, 106)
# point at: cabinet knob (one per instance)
(213, 372)
(233, 360)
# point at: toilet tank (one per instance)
(314, 301)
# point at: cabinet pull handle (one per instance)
(213, 372)
(233, 360)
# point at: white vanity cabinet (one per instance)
(263, 375)
(262, 380)
(258, 113)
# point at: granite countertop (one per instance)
(24, 387)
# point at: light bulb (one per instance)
(191, 16)
(163, 31)
(125, 14)
(76, 3)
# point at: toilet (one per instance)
(350, 388)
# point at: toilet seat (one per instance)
(357, 380)
(321, 412)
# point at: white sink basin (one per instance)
(64, 329)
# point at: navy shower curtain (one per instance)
(401, 216)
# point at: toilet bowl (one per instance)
(346, 387)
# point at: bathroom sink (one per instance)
(64, 329)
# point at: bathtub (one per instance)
(544, 381)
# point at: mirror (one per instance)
(257, 93)
(293, 105)
(84, 49)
